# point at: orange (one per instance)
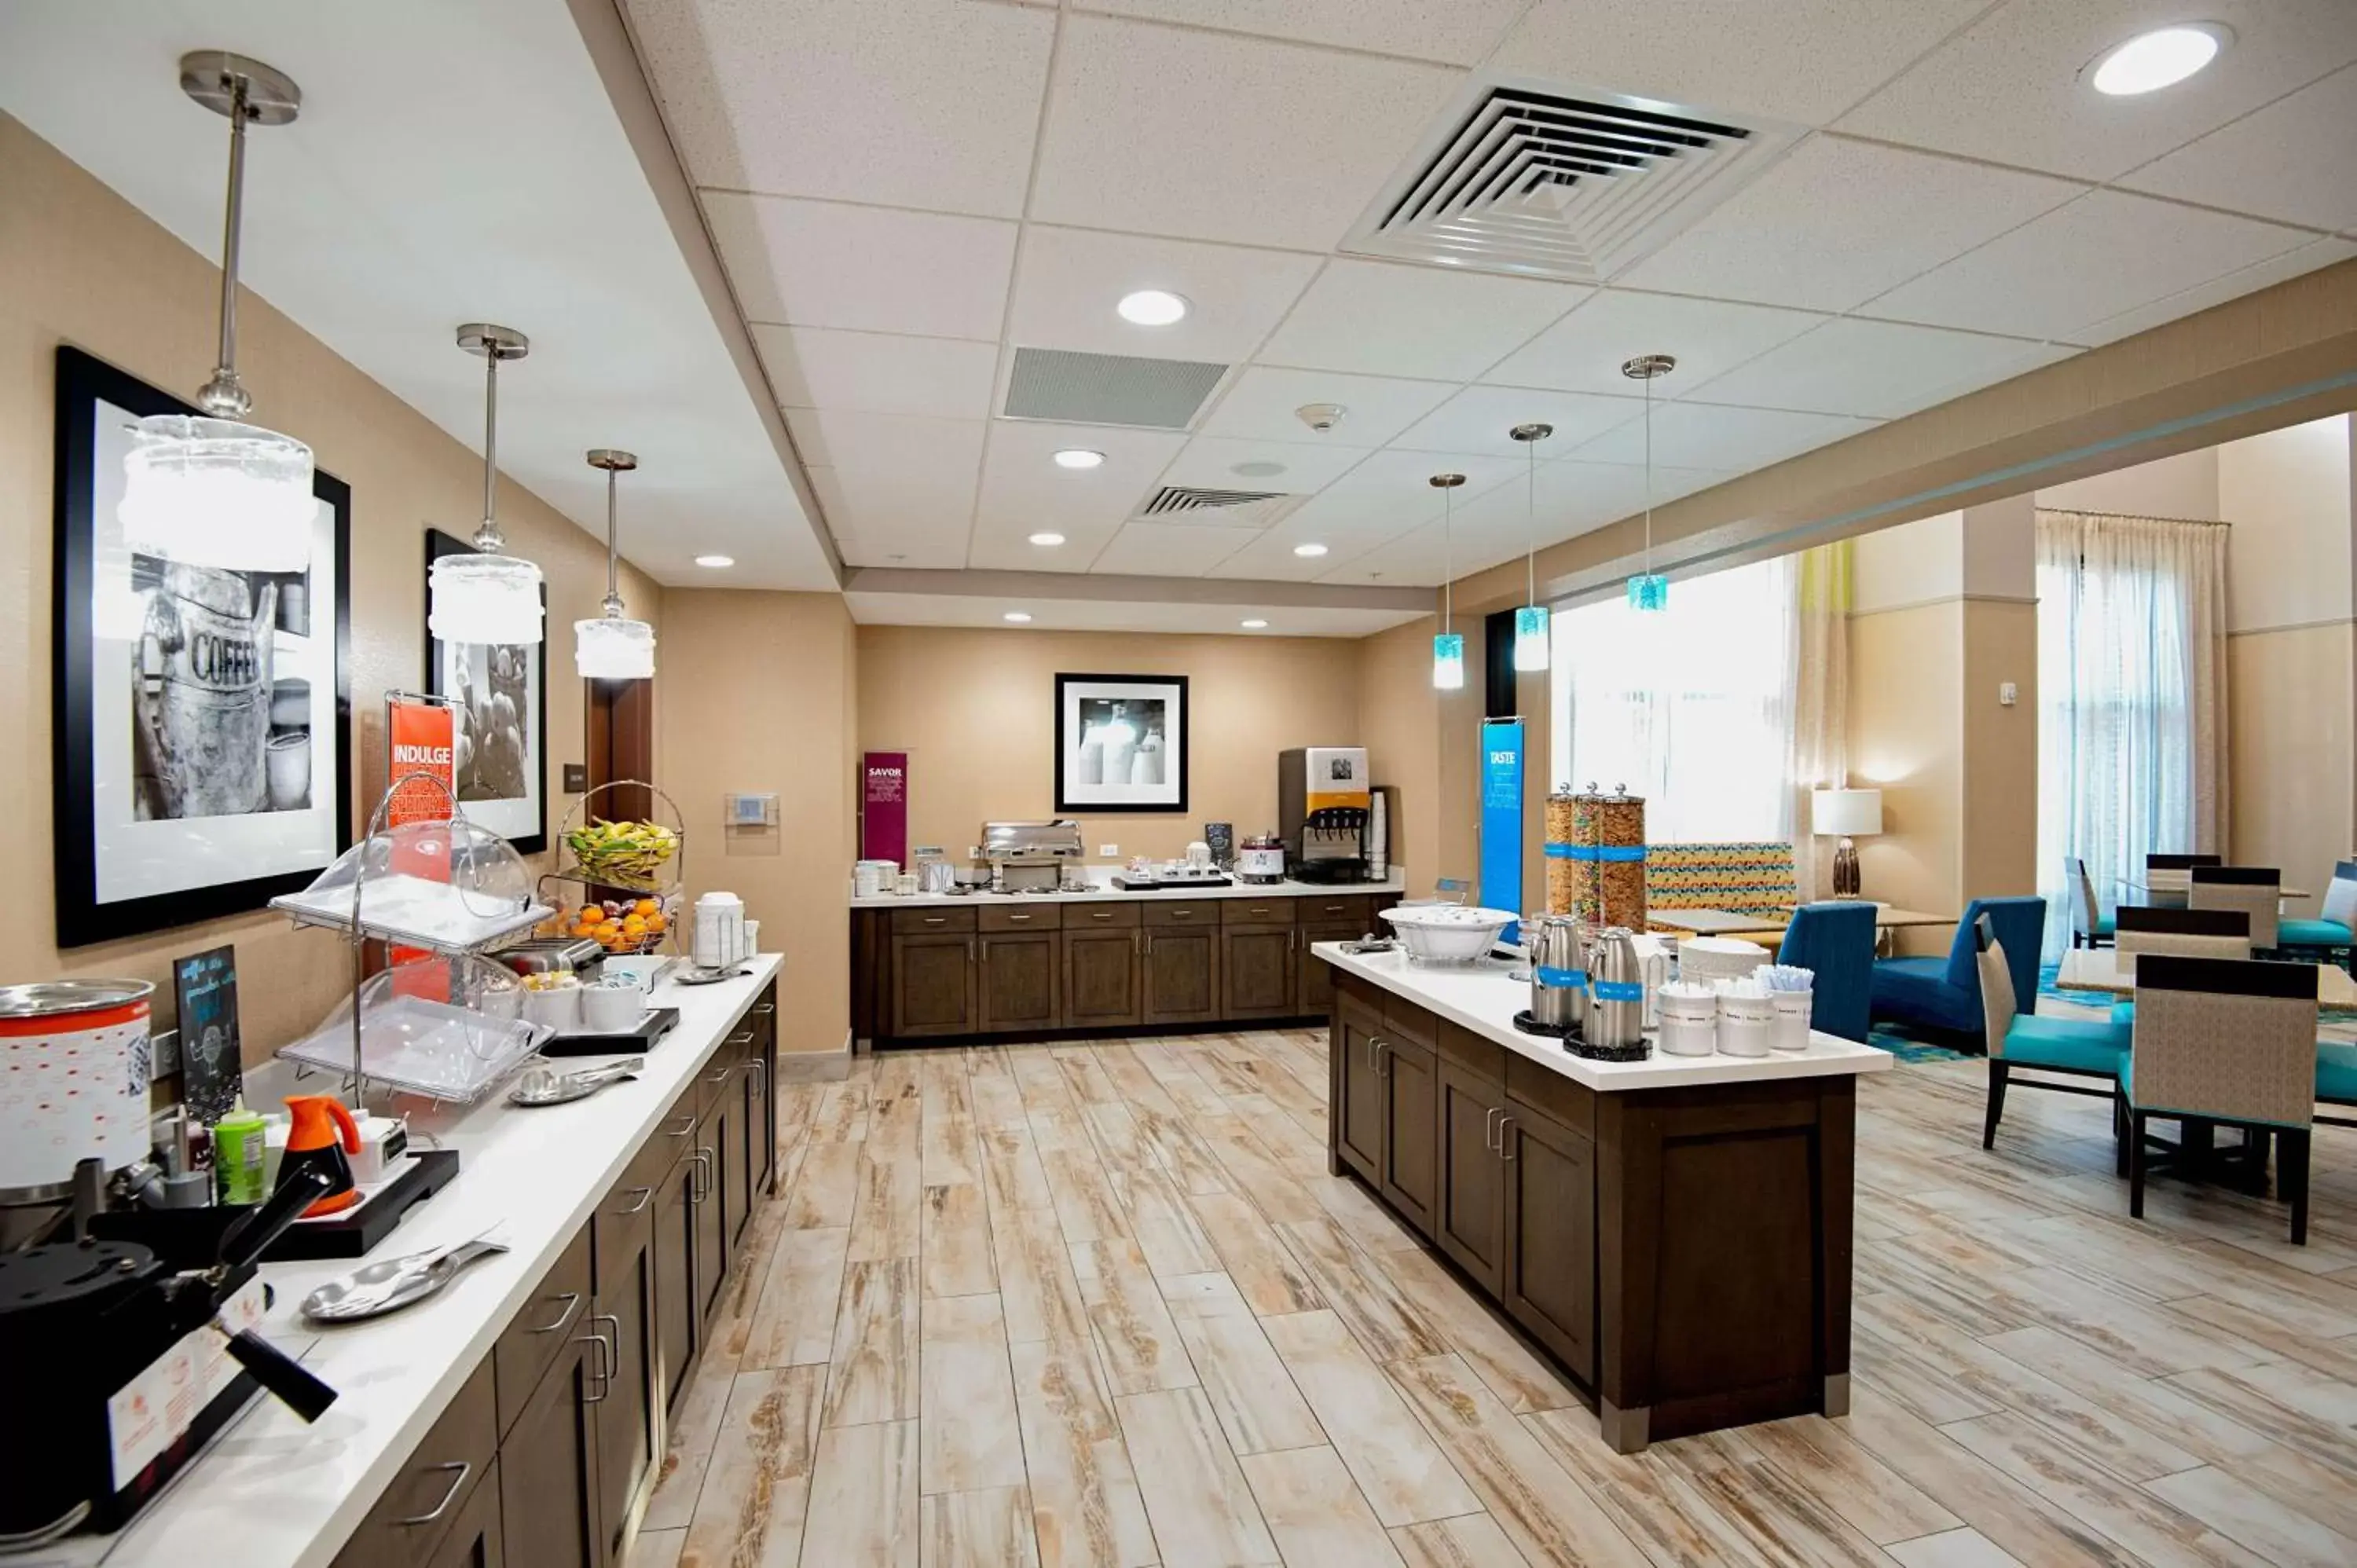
(657, 925)
(646, 906)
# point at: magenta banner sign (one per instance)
(884, 806)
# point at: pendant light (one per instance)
(489, 597)
(1531, 648)
(1449, 647)
(210, 489)
(613, 647)
(1649, 590)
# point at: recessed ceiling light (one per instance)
(1079, 457)
(716, 562)
(1255, 626)
(2162, 58)
(1019, 617)
(1258, 468)
(1046, 538)
(1309, 550)
(1151, 307)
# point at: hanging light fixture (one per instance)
(1531, 649)
(1449, 647)
(210, 489)
(1649, 590)
(613, 647)
(490, 595)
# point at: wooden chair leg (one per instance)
(1996, 1103)
(2135, 1164)
(2294, 1180)
(2120, 1133)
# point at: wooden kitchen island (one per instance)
(1675, 1232)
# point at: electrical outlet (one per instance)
(1108, 851)
(2007, 693)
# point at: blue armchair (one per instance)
(1834, 940)
(1946, 993)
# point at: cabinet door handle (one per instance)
(609, 1353)
(686, 1128)
(571, 1300)
(969, 949)
(1489, 1129)
(646, 1195)
(765, 1008)
(937, 919)
(1503, 1122)
(463, 1469)
(742, 1038)
(1099, 915)
(761, 1069)
(1182, 914)
(699, 1193)
(602, 1372)
(1149, 944)
(1018, 917)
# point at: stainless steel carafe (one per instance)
(1558, 970)
(1616, 992)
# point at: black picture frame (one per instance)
(84, 382)
(437, 546)
(1071, 797)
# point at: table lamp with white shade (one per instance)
(1852, 814)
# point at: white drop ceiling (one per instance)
(899, 191)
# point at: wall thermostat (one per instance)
(749, 811)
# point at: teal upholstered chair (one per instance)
(1835, 941)
(2336, 1080)
(1945, 992)
(2332, 935)
(2255, 890)
(2090, 927)
(2073, 1047)
(2181, 933)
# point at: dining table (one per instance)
(2144, 890)
(2100, 969)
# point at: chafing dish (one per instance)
(1028, 857)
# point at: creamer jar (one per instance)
(74, 1066)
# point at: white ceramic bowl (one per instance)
(1448, 933)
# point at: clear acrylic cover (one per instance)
(446, 885)
(447, 1027)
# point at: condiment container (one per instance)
(610, 1009)
(1747, 1019)
(1689, 1025)
(1791, 1019)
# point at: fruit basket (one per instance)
(617, 925)
(619, 877)
(624, 854)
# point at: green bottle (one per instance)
(240, 1154)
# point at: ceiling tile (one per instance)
(1876, 368)
(896, 481)
(1015, 553)
(1210, 462)
(1260, 406)
(1803, 61)
(1392, 492)
(1151, 550)
(1458, 33)
(1838, 222)
(1217, 136)
(878, 372)
(1585, 350)
(2218, 291)
(1271, 559)
(2009, 87)
(1418, 560)
(918, 103)
(1068, 280)
(1023, 491)
(2292, 160)
(874, 531)
(1477, 420)
(820, 263)
(1436, 322)
(1699, 435)
(2103, 254)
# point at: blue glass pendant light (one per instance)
(1448, 647)
(1532, 650)
(1649, 590)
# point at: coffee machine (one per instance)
(1323, 802)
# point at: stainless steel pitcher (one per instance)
(1558, 970)
(1616, 992)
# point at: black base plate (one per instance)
(1572, 1041)
(628, 1043)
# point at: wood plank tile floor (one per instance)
(1100, 1304)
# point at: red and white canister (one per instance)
(74, 1066)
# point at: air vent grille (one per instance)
(1559, 182)
(1108, 389)
(1222, 508)
(1183, 497)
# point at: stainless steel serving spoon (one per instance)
(395, 1283)
(543, 1085)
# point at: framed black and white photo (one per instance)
(202, 740)
(499, 695)
(1121, 743)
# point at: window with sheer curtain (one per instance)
(1691, 707)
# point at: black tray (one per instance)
(628, 1043)
(1569, 1034)
(190, 1238)
(1129, 883)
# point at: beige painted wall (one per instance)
(1998, 854)
(974, 710)
(759, 696)
(1399, 724)
(82, 266)
(1905, 727)
(2184, 486)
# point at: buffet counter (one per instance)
(495, 1368)
(1675, 1232)
(1101, 887)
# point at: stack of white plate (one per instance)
(1707, 958)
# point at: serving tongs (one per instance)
(543, 1085)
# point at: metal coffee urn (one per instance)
(1614, 1029)
(1558, 972)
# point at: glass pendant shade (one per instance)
(1649, 591)
(612, 648)
(216, 492)
(1531, 645)
(1448, 661)
(484, 598)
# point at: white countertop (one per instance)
(1101, 880)
(1484, 1000)
(272, 1492)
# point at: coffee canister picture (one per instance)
(1121, 743)
(187, 696)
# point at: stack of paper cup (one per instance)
(1747, 1018)
(1689, 1019)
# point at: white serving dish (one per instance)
(1448, 933)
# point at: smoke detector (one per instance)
(1321, 416)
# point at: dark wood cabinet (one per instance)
(1469, 1211)
(710, 1230)
(1021, 981)
(679, 1318)
(933, 984)
(549, 1492)
(1313, 976)
(1101, 979)
(476, 1538)
(1410, 1095)
(1358, 1092)
(1546, 1277)
(630, 1424)
(1257, 972)
(761, 1095)
(1183, 974)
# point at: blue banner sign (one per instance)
(1501, 818)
